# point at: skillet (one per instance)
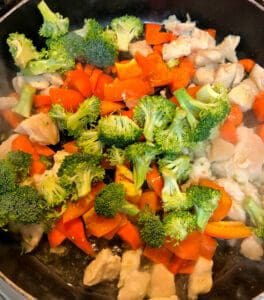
(59, 277)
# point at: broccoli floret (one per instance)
(126, 28)
(89, 142)
(87, 113)
(118, 131)
(176, 137)
(58, 114)
(22, 49)
(175, 169)
(205, 202)
(24, 105)
(91, 26)
(152, 230)
(8, 176)
(152, 113)
(116, 156)
(78, 171)
(256, 215)
(178, 224)
(111, 200)
(23, 205)
(51, 190)
(21, 162)
(204, 116)
(100, 50)
(141, 155)
(54, 24)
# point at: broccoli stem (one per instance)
(25, 102)
(83, 183)
(129, 209)
(46, 12)
(139, 173)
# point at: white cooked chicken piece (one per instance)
(54, 79)
(176, 49)
(162, 282)
(204, 75)
(6, 146)
(228, 47)
(220, 150)
(229, 74)
(201, 40)
(201, 168)
(141, 46)
(244, 94)
(236, 211)
(31, 236)
(177, 27)
(174, 297)
(39, 82)
(252, 248)
(257, 75)
(130, 262)
(105, 267)
(204, 57)
(200, 281)
(7, 102)
(135, 286)
(40, 128)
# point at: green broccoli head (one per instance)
(21, 162)
(205, 202)
(22, 49)
(54, 25)
(51, 190)
(118, 131)
(126, 28)
(152, 230)
(178, 225)
(8, 176)
(87, 114)
(153, 113)
(100, 50)
(78, 171)
(59, 115)
(23, 205)
(141, 155)
(90, 27)
(175, 169)
(111, 201)
(89, 142)
(177, 136)
(256, 215)
(203, 116)
(25, 102)
(116, 156)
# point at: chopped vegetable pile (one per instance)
(151, 150)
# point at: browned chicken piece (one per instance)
(40, 128)
(141, 46)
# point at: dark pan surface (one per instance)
(60, 277)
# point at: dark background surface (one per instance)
(53, 277)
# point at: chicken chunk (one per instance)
(7, 102)
(204, 75)
(228, 47)
(39, 82)
(176, 49)
(31, 236)
(201, 169)
(40, 128)
(6, 146)
(54, 79)
(210, 56)
(177, 27)
(174, 297)
(130, 262)
(200, 281)
(141, 46)
(252, 248)
(257, 75)
(229, 74)
(105, 267)
(244, 94)
(201, 40)
(135, 286)
(161, 282)
(220, 150)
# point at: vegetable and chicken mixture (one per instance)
(153, 149)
